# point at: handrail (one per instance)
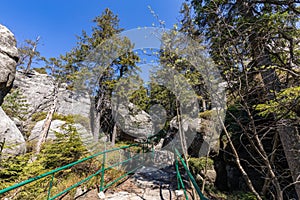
(180, 181)
(102, 170)
(190, 176)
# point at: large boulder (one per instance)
(203, 134)
(38, 90)
(133, 122)
(8, 61)
(10, 137)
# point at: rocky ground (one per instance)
(148, 183)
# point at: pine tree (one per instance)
(15, 105)
(28, 54)
(99, 61)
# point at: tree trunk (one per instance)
(272, 158)
(96, 126)
(31, 56)
(47, 123)
(204, 105)
(271, 85)
(181, 132)
(183, 143)
(114, 135)
(97, 118)
(290, 140)
(114, 132)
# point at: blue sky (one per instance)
(59, 21)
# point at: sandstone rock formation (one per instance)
(10, 136)
(58, 126)
(11, 140)
(38, 90)
(203, 135)
(8, 61)
(134, 122)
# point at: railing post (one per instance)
(177, 173)
(190, 176)
(102, 172)
(179, 179)
(50, 186)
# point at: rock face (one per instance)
(134, 122)
(38, 89)
(205, 132)
(57, 126)
(8, 61)
(10, 136)
(11, 139)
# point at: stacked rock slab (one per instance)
(38, 91)
(8, 61)
(11, 139)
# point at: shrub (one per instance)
(39, 116)
(15, 105)
(198, 164)
(66, 148)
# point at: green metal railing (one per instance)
(192, 179)
(101, 171)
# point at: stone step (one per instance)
(148, 183)
(148, 194)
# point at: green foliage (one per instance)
(103, 38)
(61, 151)
(242, 196)
(238, 195)
(56, 68)
(67, 118)
(15, 105)
(140, 98)
(66, 148)
(199, 164)
(117, 61)
(38, 116)
(286, 104)
(41, 70)
(208, 114)
(17, 169)
(162, 96)
(28, 54)
(255, 44)
(12, 169)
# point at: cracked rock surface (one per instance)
(8, 60)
